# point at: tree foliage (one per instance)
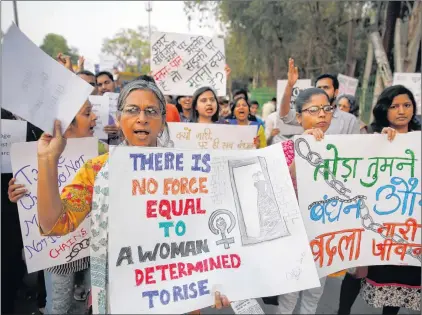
(130, 47)
(53, 44)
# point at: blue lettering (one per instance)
(177, 293)
(405, 198)
(164, 297)
(166, 226)
(158, 161)
(202, 287)
(33, 221)
(180, 228)
(150, 295)
(332, 208)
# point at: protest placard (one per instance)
(42, 252)
(184, 221)
(12, 131)
(300, 85)
(181, 63)
(113, 97)
(413, 82)
(361, 203)
(212, 136)
(100, 107)
(38, 88)
(348, 85)
(107, 63)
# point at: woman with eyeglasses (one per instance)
(141, 116)
(314, 113)
(348, 103)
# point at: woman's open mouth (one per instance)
(142, 134)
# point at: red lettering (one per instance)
(151, 212)
(177, 211)
(173, 269)
(198, 207)
(189, 207)
(225, 259)
(164, 209)
(235, 260)
(139, 277)
(149, 272)
(181, 268)
(162, 268)
(51, 253)
(215, 263)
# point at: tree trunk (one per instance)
(367, 73)
(350, 46)
(378, 88)
(381, 58)
(398, 56)
(414, 38)
(393, 12)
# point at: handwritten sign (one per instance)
(183, 221)
(348, 85)
(250, 306)
(300, 85)
(12, 131)
(212, 136)
(372, 215)
(38, 88)
(413, 82)
(100, 107)
(42, 252)
(181, 63)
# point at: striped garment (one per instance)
(72, 267)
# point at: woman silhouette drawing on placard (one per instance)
(269, 215)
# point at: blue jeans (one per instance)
(60, 291)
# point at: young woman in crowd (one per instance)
(141, 116)
(349, 104)
(389, 287)
(184, 106)
(241, 112)
(314, 113)
(59, 280)
(205, 107)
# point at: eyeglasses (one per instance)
(93, 84)
(150, 112)
(314, 110)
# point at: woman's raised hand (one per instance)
(316, 132)
(52, 146)
(391, 133)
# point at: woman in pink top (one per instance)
(314, 112)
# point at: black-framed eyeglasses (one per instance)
(93, 84)
(150, 112)
(315, 110)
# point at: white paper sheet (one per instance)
(100, 107)
(42, 252)
(378, 196)
(348, 85)
(181, 63)
(300, 85)
(36, 87)
(212, 136)
(12, 131)
(210, 240)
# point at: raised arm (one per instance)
(49, 203)
(292, 77)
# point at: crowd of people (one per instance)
(142, 115)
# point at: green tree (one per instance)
(127, 45)
(53, 44)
